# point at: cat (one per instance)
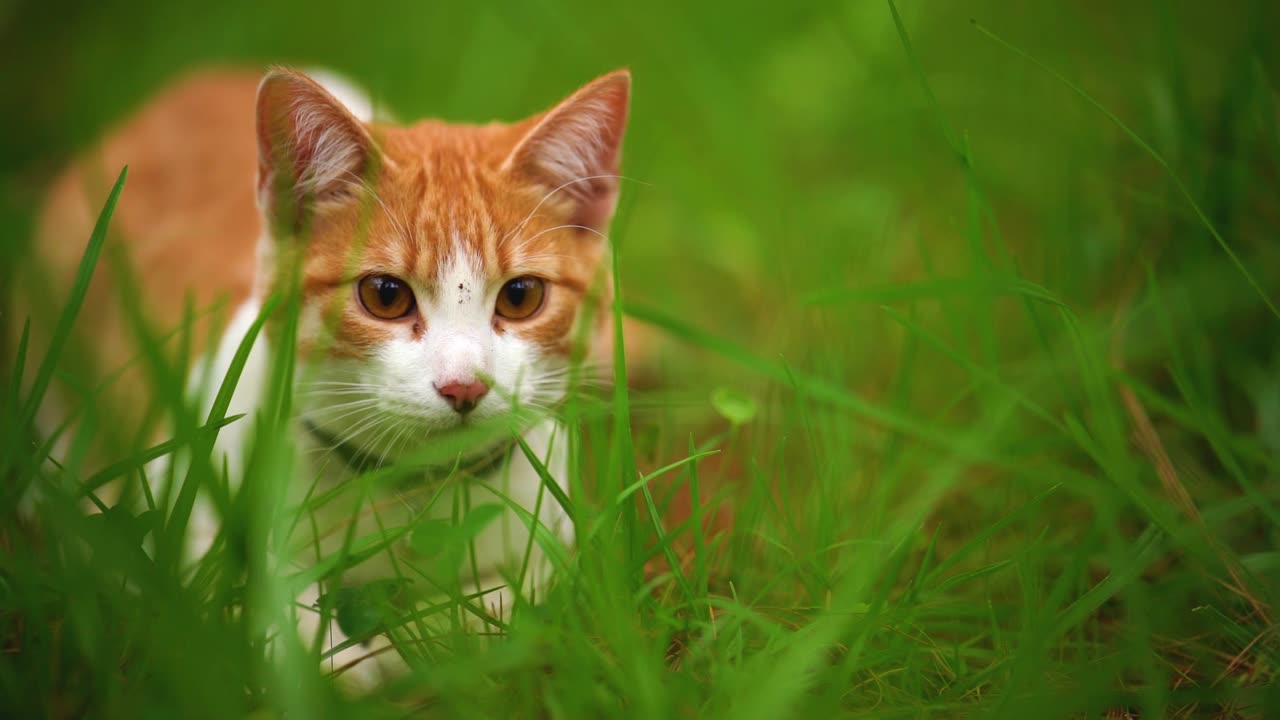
(446, 271)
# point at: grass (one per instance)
(967, 326)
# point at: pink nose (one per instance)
(462, 396)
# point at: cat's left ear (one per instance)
(574, 149)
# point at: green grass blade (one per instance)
(1155, 155)
(176, 525)
(79, 289)
(544, 476)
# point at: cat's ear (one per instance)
(311, 149)
(574, 148)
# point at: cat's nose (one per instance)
(463, 396)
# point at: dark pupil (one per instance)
(516, 291)
(388, 291)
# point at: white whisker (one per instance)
(391, 429)
(336, 392)
(547, 197)
(367, 425)
(402, 429)
(526, 241)
(329, 421)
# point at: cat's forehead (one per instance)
(448, 149)
(446, 202)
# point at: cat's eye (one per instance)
(385, 296)
(520, 298)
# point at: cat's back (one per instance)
(186, 223)
(187, 219)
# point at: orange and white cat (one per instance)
(445, 269)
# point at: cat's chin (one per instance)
(466, 445)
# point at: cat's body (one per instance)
(444, 271)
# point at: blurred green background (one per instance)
(820, 229)
(781, 149)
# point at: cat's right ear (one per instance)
(311, 149)
(575, 147)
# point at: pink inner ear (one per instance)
(575, 147)
(302, 127)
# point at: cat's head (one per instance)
(445, 269)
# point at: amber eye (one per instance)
(385, 297)
(520, 298)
